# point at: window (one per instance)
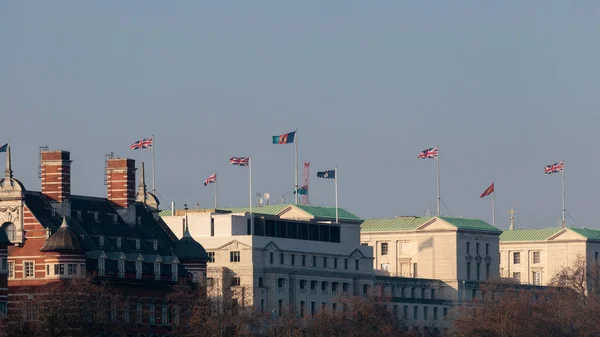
(303, 260)
(301, 308)
(445, 313)
(118, 242)
(536, 257)
(314, 261)
(126, 312)
(139, 220)
(334, 286)
(29, 269)
(234, 256)
(165, 314)
(345, 287)
(157, 270)
(279, 307)
(312, 308)
(412, 293)
(468, 270)
(395, 310)
(356, 264)
(385, 266)
(138, 313)
(212, 226)
(468, 247)
(235, 281)
(72, 269)
(516, 257)
(151, 312)
(432, 294)
(365, 288)
(78, 214)
(477, 271)
(364, 243)
(384, 248)
(334, 307)
(324, 286)
(415, 270)
(335, 262)
(537, 278)
(96, 216)
(121, 268)
(260, 282)
(281, 282)
(293, 259)
(487, 271)
(324, 262)
(517, 276)
(155, 245)
(345, 263)
(425, 312)
(101, 241)
(138, 269)
(176, 314)
(271, 258)
(59, 269)
(281, 258)
(302, 284)
(487, 249)
(313, 285)
(415, 312)
(423, 293)
(174, 272)
(82, 269)
(405, 313)
(137, 244)
(101, 268)
(435, 313)
(474, 294)
(115, 218)
(211, 257)
(11, 231)
(477, 248)
(11, 270)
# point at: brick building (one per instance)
(120, 238)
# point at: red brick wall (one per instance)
(120, 174)
(56, 174)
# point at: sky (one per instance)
(504, 88)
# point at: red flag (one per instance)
(487, 191)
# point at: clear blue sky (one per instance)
(503, 87)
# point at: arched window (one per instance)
(11, 230)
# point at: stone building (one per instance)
(119, 238)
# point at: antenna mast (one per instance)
(306, 181)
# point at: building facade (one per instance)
(57, 236)
(289, 258)
(533, 256)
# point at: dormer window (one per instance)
(138, 269)
(118, 242)
(96, 216)
(155, 245)
(137, 244)
(78, 214)
(139, 220)
(101, 266)
(174, 272)
(53, 212)
(101, 241)
(121, 268)
(115, 218)
(157, 270)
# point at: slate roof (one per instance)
(534, 234)
(411, 223)
(189, 249)
(63, 240)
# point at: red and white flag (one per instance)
(211, 179)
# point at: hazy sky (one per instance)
(504, 87)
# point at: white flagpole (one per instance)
(216, 182)
(296, 165)
(153, 182)
(564, 222)
(438, 181)
(336, 194)
(251, 217)
(494, 206)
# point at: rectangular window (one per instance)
(324, 286)
(334, 307)
(517, 276)
(234, 256)
(356, 264)
(415, 270)
(536, 257)
(313, 304)
(478, 271)
(365, 288)
(445, 313)
(324, 262)
(413, 293)
(313, 285)
(468, 270)
(487, 271)
(516, 257)
(334, 286)
(303, 260)
(271, 258)
(11, 270)
(314, 261)
(138, 313)
(235, 281)
(293, 259)
(395, 310)
(157, 271)
(468, 247)
(435, 313)
(211, 257)
(474, 294)
(425, 312)
(487, 249)
(281, 258)
(477, 248)
(323, 306)
(59, 269)
(260, 282)
(121, 267)
(151, 313)
(364, 243)
(345, 263)
(29, 269)
(165, 314)
(537, 278)
(301, 308)
(281, 282)
(138, 269)
(384, 248)
(335, 263)
(101, 267)
(432, 294)
(415, 312)
(405, 313)
(302, 284)
(72, 269)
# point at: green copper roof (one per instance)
(593, 234)
(266, 210)
(404, 223)
(470, 224)
(410, 223)
(165, 212)
(538, 234)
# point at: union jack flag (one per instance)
(145, 143)
(239, 161)
(211, 179)
(554, 168)
(429, 153)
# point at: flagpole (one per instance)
(563, 223)
(251, 217)
(494, 206)
(216, 182)
(153, 181)
(336, 194)
(296, 165)
(438, 181)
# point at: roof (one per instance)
(63, 240)
(322, 212)
(411, 223)
(189, 249)
(537, 234)
(592, 234)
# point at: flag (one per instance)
(329, 174)
(4, 147)
(145, 143)
(239, 161)
(554, 168)
(429, 153)
(211, 179)
(287, 138)
(487, 191)
(302, 190)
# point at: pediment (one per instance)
(234, 245)
(566, 234)
(436, 224)
(295, 213)
(357, 254)
(272, 247)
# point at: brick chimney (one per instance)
(56, 174)
(120, 178)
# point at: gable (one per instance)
(295, 213)
(567, 235)
(357, 254)
(234, 245)
(436, 225)
(272, 247)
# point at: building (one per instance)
(4, 243)
(458, 252)
(533, 256)
(289, 258)
(120, 238)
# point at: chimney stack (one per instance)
(56, 174)
(120, 181)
